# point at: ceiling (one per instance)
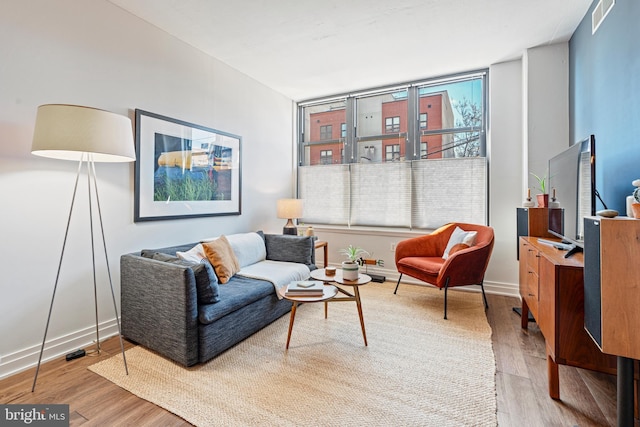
(306, 49)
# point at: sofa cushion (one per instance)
(222, 258)
(429, 265)
(237, 293)
(206, 281)
(282, 247)
(249, 248)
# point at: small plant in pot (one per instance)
(635, 206)
(350, 267)
(543, 196)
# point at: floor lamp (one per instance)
(86, 135)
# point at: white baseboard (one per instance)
(27, 358)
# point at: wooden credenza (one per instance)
(552, 288)
(612, 300)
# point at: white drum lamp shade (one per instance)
(69, 131)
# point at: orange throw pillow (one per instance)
(458, 247)
(222, 258)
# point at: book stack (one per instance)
(305, 288)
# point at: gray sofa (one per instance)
(167, 308)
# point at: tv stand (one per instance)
(552, 288)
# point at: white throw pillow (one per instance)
(195, 254)
(460, 236)
(249, 248)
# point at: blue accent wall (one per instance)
(604, 97)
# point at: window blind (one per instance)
(325, 191)
(447, 190)
(381, 194)
(421, 194)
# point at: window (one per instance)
(399, 165)
(423, 121)
(325, 132)
(392, 124)
(392, 153)
(316, 126)
(326, 157)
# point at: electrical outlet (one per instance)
(392, 247)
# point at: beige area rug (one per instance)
(418, 370)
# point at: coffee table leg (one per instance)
(291, 319)
(326, 309)
(357, 295)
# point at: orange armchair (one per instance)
(421, 258)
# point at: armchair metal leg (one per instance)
(446, 285)
(484, 297)
(394, 292)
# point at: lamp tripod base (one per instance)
(91, 179)
(94, 352)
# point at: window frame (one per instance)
(416, 135)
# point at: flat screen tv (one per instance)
(572, 180)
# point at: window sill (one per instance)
(367, 231)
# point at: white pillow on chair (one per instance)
(460, 236)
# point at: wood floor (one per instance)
(588, 398)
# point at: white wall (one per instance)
(505, 145)
(96, 54)
(546, 107)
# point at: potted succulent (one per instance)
(350, 267)
(543, 197)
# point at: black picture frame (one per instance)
(184, 170)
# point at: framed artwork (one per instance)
(184, 170)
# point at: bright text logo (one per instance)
(36, 415)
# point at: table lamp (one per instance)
(290, 209)
(86, 135)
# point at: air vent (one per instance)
(600, 12)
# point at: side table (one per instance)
(321, 244)
(363, 279)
